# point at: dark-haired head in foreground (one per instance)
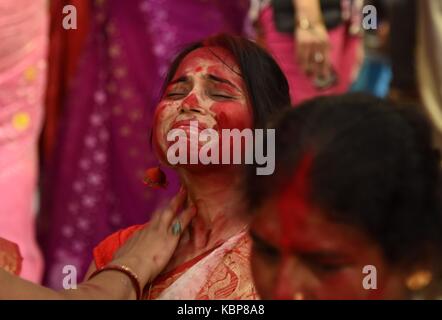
(355, 189)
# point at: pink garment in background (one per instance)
(23, 42)
(282, 46)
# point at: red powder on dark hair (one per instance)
(293, 204)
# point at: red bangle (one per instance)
(127, 271)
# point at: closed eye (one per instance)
(326, 266)
(223, 96)
(175, 95)
(329, 267)
(263, 248)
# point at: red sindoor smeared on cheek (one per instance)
(234, 114)
(293, 204)
(231, 115)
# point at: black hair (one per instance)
(373, 167)
(266, 85)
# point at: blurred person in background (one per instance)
(317, 43)
(23, 49)
(410, 39)
(429, 62)
(375, 74)
(402, 23)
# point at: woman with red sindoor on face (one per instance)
(354, 209)
(224, 82)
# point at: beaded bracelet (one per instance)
(123, 269)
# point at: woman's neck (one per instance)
(220, 207)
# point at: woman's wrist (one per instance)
(138, 267)
(127, 272)
(308, 14)
(304, 23)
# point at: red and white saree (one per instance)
(222, 273)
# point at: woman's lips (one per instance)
(187, 124)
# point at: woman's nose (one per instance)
(292, 281)
(191, 104)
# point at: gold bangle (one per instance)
(123, 269)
